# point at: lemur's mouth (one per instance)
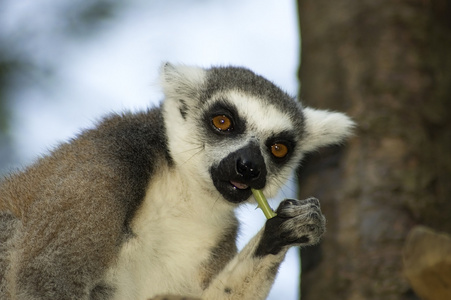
(239, 185)
(236, 173)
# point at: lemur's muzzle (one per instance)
(239, 171)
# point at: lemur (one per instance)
(143, 204)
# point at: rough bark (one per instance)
(388, 65)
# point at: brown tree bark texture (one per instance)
(388, 65)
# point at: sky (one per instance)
(82, 77)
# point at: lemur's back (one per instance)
(86, 190)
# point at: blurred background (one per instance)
(386, 193)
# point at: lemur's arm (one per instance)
(250, 274)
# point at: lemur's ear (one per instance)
(181, 81)
(324, 128)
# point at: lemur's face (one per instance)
(231, 130)
(248, 143)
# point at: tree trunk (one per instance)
(388, 65)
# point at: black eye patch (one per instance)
(223, 110)
(281, 146)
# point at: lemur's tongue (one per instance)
(238, 185)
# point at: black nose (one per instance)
(250, 166)
(247, 168)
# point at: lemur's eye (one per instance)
(222, 123)
(279, 150)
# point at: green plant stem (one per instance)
(263, 204)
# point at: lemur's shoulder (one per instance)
(116, 157)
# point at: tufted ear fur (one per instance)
(180, 81)
(324, 128)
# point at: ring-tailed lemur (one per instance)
(143, 204)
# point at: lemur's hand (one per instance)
(298, 222)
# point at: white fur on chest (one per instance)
(175, 233)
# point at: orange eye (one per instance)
(279, 150)
(222, 123)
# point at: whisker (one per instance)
(216, 201)
(195, 146)
(191, 157)
(283, 185)
(188, 150)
